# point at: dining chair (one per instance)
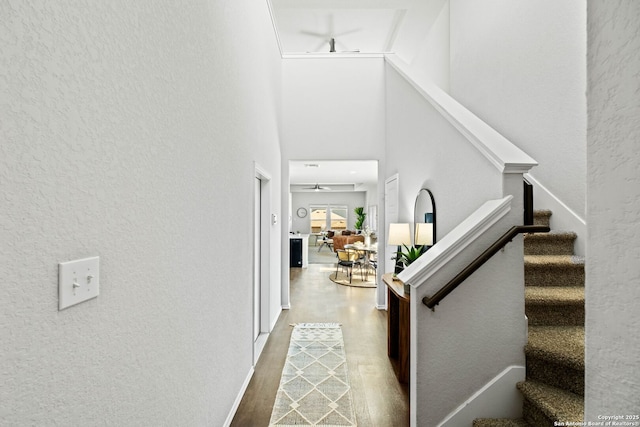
(348, 259)
(327, 241)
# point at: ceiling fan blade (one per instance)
(330, 25)
(314, 34)
(321, 47)
(342, 33)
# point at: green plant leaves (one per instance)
(411, 254)
(359, 211)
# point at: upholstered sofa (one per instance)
(340, 241)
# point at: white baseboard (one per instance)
(236, 403)
(499, 398)
(563, 218)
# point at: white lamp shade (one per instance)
(424, 234)
(399, 234)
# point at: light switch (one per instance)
(78, 281)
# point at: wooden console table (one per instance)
(399, 326)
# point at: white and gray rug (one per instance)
(314, 388)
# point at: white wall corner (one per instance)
(499, 398)
(239, 397)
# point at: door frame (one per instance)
(391, 214)
(264, 239)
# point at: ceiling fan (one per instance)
(317, 187)
(330, 36)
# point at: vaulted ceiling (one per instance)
(365, 26)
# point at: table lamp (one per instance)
(399, 234)
(424, 234)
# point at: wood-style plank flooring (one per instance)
(378, 398)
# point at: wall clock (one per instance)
(301, 212)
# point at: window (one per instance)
(318, 218)
(372, 217)
(332, 217)
(339, 217)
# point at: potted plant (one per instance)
(408, 256)
(361, 215)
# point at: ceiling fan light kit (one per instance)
(330, 36)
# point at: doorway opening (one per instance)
(323, 198)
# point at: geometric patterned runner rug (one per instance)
(314, 388)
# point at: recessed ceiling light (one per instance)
(353, 172)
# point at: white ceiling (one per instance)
(340, 175)
(367, 26)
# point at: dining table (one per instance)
(367, 250)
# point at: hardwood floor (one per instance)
(378, 398)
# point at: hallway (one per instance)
(378, 398)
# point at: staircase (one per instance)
(554, 304)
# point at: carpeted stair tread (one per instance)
(499, 422)
(541, 217)
(563, 345)
(553, 260)
(552, 243)
(547, 305)
(552, 402)
(553, 270)
(554, 295)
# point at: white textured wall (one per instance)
(423, 40)
(613, 271)
(521, 67)
(129, 130)
(333, 108)
(427, 151)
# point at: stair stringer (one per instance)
(498, 398)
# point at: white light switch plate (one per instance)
(78, 281)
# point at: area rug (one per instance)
(356, 281)
(314, 387)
